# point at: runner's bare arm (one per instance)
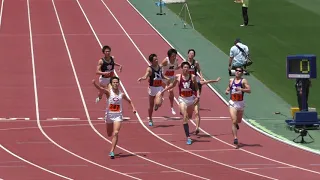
(199, 70)
(173, 83)
(247, 88)
(100, 88)
(228, 87)
(125, 97)
(210, 81)
(195, 83)
(178, 65)
(166, 77)
(117, 64)
(196, 88)
(98, 71)
(163, 63)
(148, 73)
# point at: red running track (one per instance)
(66, 40)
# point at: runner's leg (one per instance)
(233, 113)
(197, 117)
(116, 129)
(184, 110)
(150, 109)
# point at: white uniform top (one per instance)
(114, 103)
(169, 69)
(237, 55)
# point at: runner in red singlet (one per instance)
(237, 87)
(196, 70)
(187, 98)
(105, 69)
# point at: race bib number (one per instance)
(236, 97)
(114, 107)
(186, 93)
(169, 73)
(157, 83)
(110, 74)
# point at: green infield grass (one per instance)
(277, 28)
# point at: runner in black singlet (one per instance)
(105, 69)
(156, 77)
(195, 69)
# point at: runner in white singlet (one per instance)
(169, 66)
(113, 115)
(236, 88)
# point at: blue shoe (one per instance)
(189, 141)
(150, 123)
(111, 154)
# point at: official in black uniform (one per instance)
(298, 86)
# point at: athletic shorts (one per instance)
(152, 90)
(112, 117)
(104, 81)
(188, 101)
(236, 64)
(238, 105)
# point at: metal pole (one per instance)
(304, 95)
(161, 4)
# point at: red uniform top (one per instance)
(185, 87)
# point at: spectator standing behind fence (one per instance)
(245, 5)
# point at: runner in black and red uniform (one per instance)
(105, 69)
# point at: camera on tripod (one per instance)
(302, 133)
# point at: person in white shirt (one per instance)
(239, 55)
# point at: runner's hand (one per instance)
(196, 101)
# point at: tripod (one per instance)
(303, 132)
(186, 10)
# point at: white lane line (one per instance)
(89, 119)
